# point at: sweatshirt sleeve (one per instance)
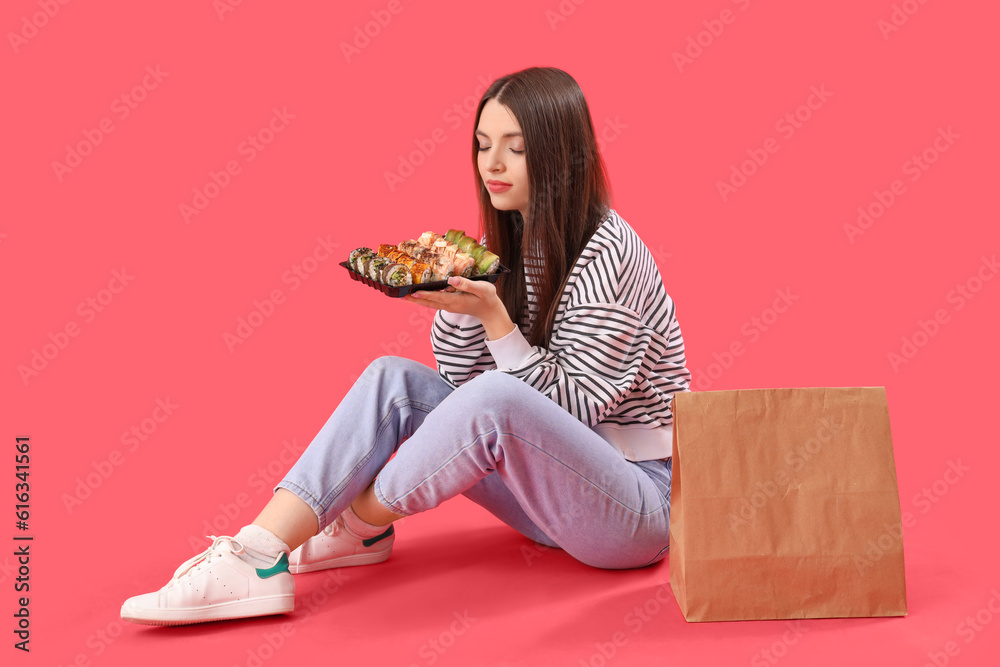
(598, 353)
(459, 346)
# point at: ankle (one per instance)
(358, 526)
(261, 546)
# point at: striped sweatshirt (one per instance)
(615, 357)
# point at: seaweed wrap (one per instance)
(396, 275)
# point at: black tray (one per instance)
(399, 292)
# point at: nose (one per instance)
(492, 161)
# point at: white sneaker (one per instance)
(335, 546)
(216, 585)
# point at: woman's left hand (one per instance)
(477, 298)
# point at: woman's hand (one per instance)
(477, 298)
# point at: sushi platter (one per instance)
(424, 263)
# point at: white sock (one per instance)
(261, 546)
(359, 527)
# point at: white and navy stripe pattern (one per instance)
(616, 355)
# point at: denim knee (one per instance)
(502, 390)
(389, 364)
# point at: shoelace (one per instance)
(334, 528)
(191, 565)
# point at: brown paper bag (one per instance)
(784, 505)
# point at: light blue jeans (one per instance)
(502, 444)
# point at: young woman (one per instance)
(550, 406)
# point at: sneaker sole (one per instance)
(343, 561)
(266, 606)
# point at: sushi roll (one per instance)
(408, 246)
(453, 235)
(396, 255)
(420, 252)
(385, 248)
(487, 263)
(429, 257)
(421, 273)
(442, 247)
(477, 251)
(396, 275)
(352, 259)
(465, 266)
(375, 267)
(427, 239)
(466, 243)
(442, 268)
(361, 261)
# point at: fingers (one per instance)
(480, 288)
(434, 299)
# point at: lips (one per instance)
(498, 186)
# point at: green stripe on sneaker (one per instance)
(372, 540)
(277, 568)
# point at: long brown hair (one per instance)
(568, 191)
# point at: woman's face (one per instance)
(502, 164)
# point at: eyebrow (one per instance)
(505, 135)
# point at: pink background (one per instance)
(671, 134)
